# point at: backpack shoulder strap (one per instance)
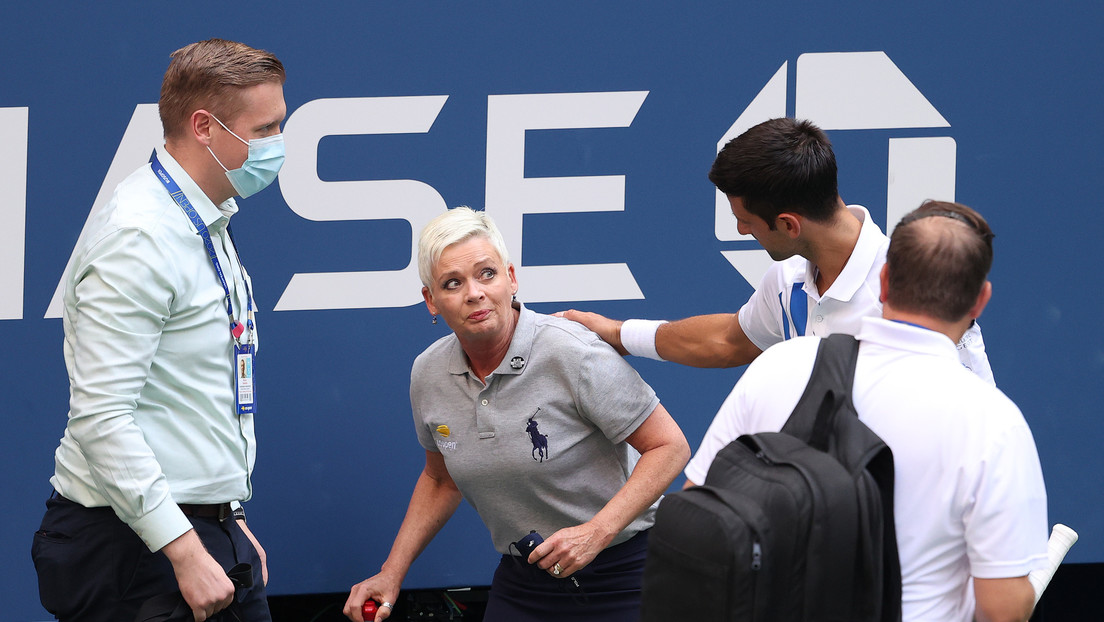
(828, 390)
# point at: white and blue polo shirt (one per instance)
(787, 304)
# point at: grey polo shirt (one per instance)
(542, 445)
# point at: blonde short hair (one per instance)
(454, 226)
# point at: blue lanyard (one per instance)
(178, 195)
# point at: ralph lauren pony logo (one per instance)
(540, 441)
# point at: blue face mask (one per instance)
(266, 156)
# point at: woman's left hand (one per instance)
(570, 550)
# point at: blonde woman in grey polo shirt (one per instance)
(542, 427)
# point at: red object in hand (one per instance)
(369, 611)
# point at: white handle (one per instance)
(1061, 539)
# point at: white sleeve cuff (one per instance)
(639, 337)
(162, 525)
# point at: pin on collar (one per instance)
(517, 362)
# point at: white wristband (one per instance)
(639, 337)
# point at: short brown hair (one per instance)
(210, 74)
(939, 258)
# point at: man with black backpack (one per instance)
(968, 496)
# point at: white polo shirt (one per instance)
(787, 304)
(969, 493)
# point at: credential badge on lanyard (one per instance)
(243, 352)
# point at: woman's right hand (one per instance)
(434, 500)
(379, 588)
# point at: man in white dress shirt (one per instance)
(160, 336)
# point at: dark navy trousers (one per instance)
(92, 567)
(606, 590)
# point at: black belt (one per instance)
(220, 511)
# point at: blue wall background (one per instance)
(1019, 87)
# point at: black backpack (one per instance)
(794, 525)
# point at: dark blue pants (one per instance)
(607, 590)
(92, 567)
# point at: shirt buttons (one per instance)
(820, 318)
(484, 402)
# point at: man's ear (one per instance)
(199, 124)
(788, 223)
(883, 279)
(982, 300)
